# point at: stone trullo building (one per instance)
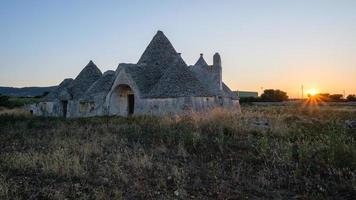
(159, 83)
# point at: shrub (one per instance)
(4, 101)
(274, 95)
(13, 102)
(351, 97)
(336, 97)
(249, 99)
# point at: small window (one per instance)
(83, 107)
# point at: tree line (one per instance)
(276, 95)
(268, 95)
(334, 97)
(12, 102)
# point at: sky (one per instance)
(274, 44)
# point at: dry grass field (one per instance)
(267, 152)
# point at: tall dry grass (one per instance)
(266, 152)
(14, 111)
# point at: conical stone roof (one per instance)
(158, 55)
(85, 79)
(161, 72)
(62, 92)
(178, 81)
(101, 87)
(159, 52)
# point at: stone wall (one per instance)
(92, 108)
(156, 106)
(47, 109)
(161, 106)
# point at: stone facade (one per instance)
(160, 83)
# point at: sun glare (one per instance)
(312, 92)
(314, 99)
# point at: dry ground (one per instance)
(268, 152)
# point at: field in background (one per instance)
(267, 152)
(16, 102)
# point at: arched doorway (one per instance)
(122, 101)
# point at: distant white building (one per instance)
(243, 94)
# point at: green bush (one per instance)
(4, 101)
(274, 95)
(13, 102)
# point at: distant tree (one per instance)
(45, 94)
(335, 97)
(4, 101)
(274, 95)
(351, 97)
(42, 95)
(249, 99)
(322, 96)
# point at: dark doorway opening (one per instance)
(130, 103)
(64, 108)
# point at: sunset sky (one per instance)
(279, 44)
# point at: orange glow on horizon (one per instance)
(312, 92)
(314, 100)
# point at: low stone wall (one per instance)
(87, 108)
(161, 106)
(156, 106)
(47, 109)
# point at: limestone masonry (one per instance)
(160, 83)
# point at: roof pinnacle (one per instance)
(201, 61)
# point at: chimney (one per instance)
(216, 60)
(217, 71)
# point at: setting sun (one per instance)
(312, 92)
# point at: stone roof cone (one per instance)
(60, 91)
(201, 61)
(90, 70)
(85, 79)
(90, 63)
(178, 81)
(100, 87)
(159, 51)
